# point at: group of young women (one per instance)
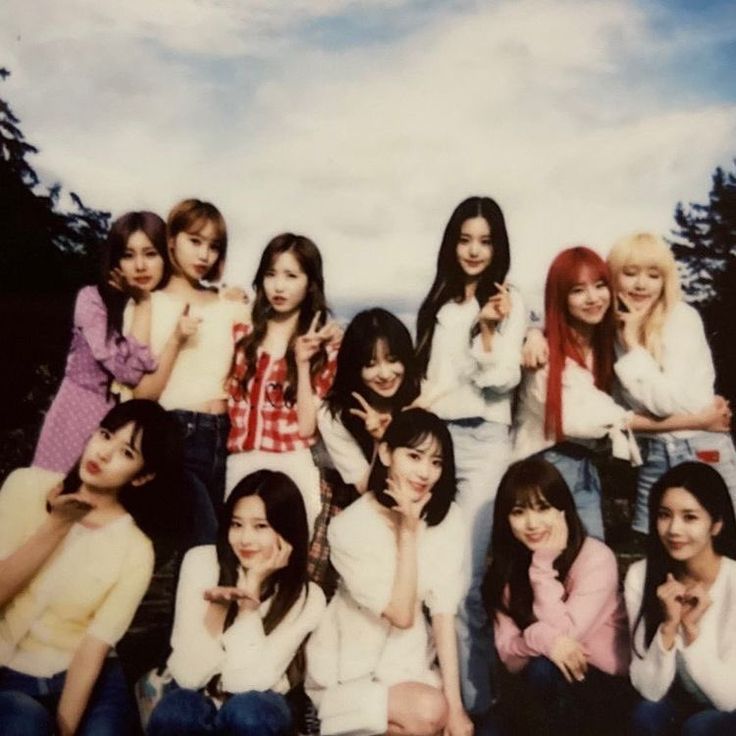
(216, 413)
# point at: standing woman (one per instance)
(665, 364)
(470, 329)
(560, 623)
(243, 609)
(195, 357)
(681, 605)
(74, 565)
(372, 663)
(284, 364)
(134, 263)
(376, 377)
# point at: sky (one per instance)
(363, 123)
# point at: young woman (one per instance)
(565, 406)
(243, 609)
(375, 378)
(134, 263)
(680, 602)
(469, 334)
(371, 662)
(74, 565)
(195, 357)
(560, 624)
(284, 363)
(665, 364)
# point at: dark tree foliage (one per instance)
(46, 255)
(704, 244)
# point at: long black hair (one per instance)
(506, 588)
(449, 281)
(113, 249)
(357, 350)
(155, 505)
(310, 260)
(287, 516)
(710, 490)
(411, 428)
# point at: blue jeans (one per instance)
(675, 716)
(185, 712)
(28, 704)
(205, 451)
(582, 478)
(661, 454)
(482, 454)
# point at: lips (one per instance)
(201, 269)
(92, 467)
(536, 537)
(142, 280)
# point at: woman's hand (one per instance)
(570, 657)
(535, 351)
(695, 602)
(407, 508)
(225, 594)
(557, 539)
(716, 417)
(375, 421)
(234, 294)
(66, 508)
(458, 723)
(307, 345)
(629, 323)
(671, 595)
(117, 281)
(497, 308)
(187, 326)
(260, 568)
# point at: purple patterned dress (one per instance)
(95, 358)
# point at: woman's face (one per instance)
(285, 284)
(416, 468)
(111, 460)
(141, 264)
(533, 522)
(588, 300)
(195, 253)
(685, 528)
(250, 535)
(640, 286)
(385, 373)
(474, 249)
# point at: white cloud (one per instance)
(554, 108)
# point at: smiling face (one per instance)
(588, 301)
(474, 249)
(111, 460)
(385, 372)
(532, 522)
(641, 285)
(416, 468)
(196, 252)
(285, 284)
(141, 264)
(250, 536)
(684, 527)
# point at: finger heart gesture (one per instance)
(497, 308)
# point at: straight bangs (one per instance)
(528, 497)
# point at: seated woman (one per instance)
(559, 621)
(74, 565)
(680, 601)
(372, 661)
(243, 609)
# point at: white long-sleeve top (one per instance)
(464, 380)
(683, 383)
(708, 663)
(345, 452)
(587, 413)
(245, 656)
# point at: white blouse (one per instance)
(344, 450)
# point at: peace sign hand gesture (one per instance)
(307, 345)
(375, 421)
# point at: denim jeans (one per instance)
(661, 454)
(482, 454)
(582, 478)
(675, 715)
(205, 450)
(183, 712)
(28, 704)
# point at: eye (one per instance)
(437, 462)
(690, 517)
(235, 524)
(127, 255)
(260, 525)
(576, 290)
(414, 455)
(543, 506)
(663, 514)
(104, 433)
(516, 511)
(128, 453)
(269, 274)
(151, 254)
(600, 285)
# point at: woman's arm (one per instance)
(402, 605)
(443, 628)
(344, 451)
(81, 677)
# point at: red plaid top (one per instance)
(260, 418)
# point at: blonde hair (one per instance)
(648, 250)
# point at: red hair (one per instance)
(568, 269)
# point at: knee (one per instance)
(21, 715)
(181, 712)
(543, 675)
(709, 723)
(255, 714)
(652, 718)
(431, 713)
